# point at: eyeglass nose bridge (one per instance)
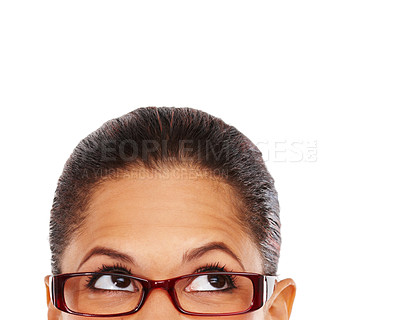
(167, 285)
(160, 284)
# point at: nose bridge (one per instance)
(158, 304)
(165, 285)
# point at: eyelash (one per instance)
(211, 267)
(119, 268)
(116, 268)
(216, 267)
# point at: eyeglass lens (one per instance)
(102, 294)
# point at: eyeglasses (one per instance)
(104, 294)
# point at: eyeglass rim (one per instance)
(267, 283)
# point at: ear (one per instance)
(52, 312)
(279, 306)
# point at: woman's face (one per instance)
(162, 228)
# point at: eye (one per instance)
(114, 282)
(210, 282)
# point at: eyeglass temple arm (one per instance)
(269, 287)
(51, 289)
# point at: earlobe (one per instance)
(279, 306)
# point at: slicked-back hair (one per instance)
(156, 139)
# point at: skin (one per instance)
(156, 222)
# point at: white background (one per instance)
(294, 76)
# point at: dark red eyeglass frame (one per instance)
(261, 284)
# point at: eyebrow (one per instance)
(103, 251)
(188, 256)
(198, 252)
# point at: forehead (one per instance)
(157, 196)
(163, 215)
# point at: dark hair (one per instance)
(158, 138)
